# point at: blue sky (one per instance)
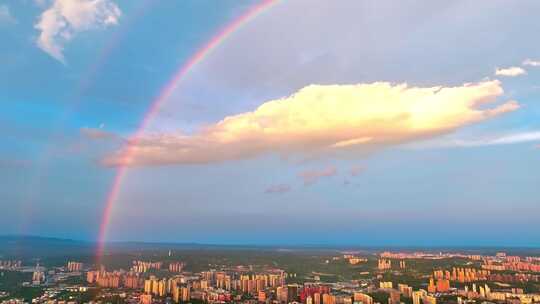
(325, 160)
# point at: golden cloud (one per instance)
(324, 119)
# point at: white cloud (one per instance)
(318, 118)
(5, 15)
(65, 18)
(510, 72)
(505, 139)
(530, 62)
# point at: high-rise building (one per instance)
(417, 296)
(406, 290)
(363, 298)
(186, 294)
(38, 277)
(432, 288)
(316, 298)
(384, 264)
(281, 294)
(429, 300)
(443, 285)
(292, 292)
(146, 299)
(261, 297)
(402, 264)
(74, 266)
(328, 299)
(395, 297)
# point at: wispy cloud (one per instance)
(356, 170)
(282, 188)
(510, 71)
(503, 139)
(99, 133)
(65, 18)
(317, 118)
(5, 15)
(530, 62)
(312, 176)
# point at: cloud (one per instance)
(355, 171)
(282, 188)
(506, 139)
(99, 134)
(65, 18)
(312, 176)
(510, 72)
(530, 62)
(320, 119)
(5, 15)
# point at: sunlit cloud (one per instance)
(282, 188)
(530, 62)
(319, 118)
(510, 72)
(355, 171)
(65, 18)
(312, 176)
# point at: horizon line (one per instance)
(274, 245)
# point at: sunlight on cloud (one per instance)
(65, 18)
(321, 119)
(312, 176)
(510, 72)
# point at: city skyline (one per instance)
(236, 122)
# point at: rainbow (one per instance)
(164, 94)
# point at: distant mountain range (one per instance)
(32, 246)
(37, 246)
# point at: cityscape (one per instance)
(220, 274)
(269, 152)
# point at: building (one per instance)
(74, 266)
(395, 297)
(429, 299)
(38, 277)
(146, 299)
(384, 264)
(432, 288)
(443, 285)
(363, 298)
(417, 296)
(405, 290)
